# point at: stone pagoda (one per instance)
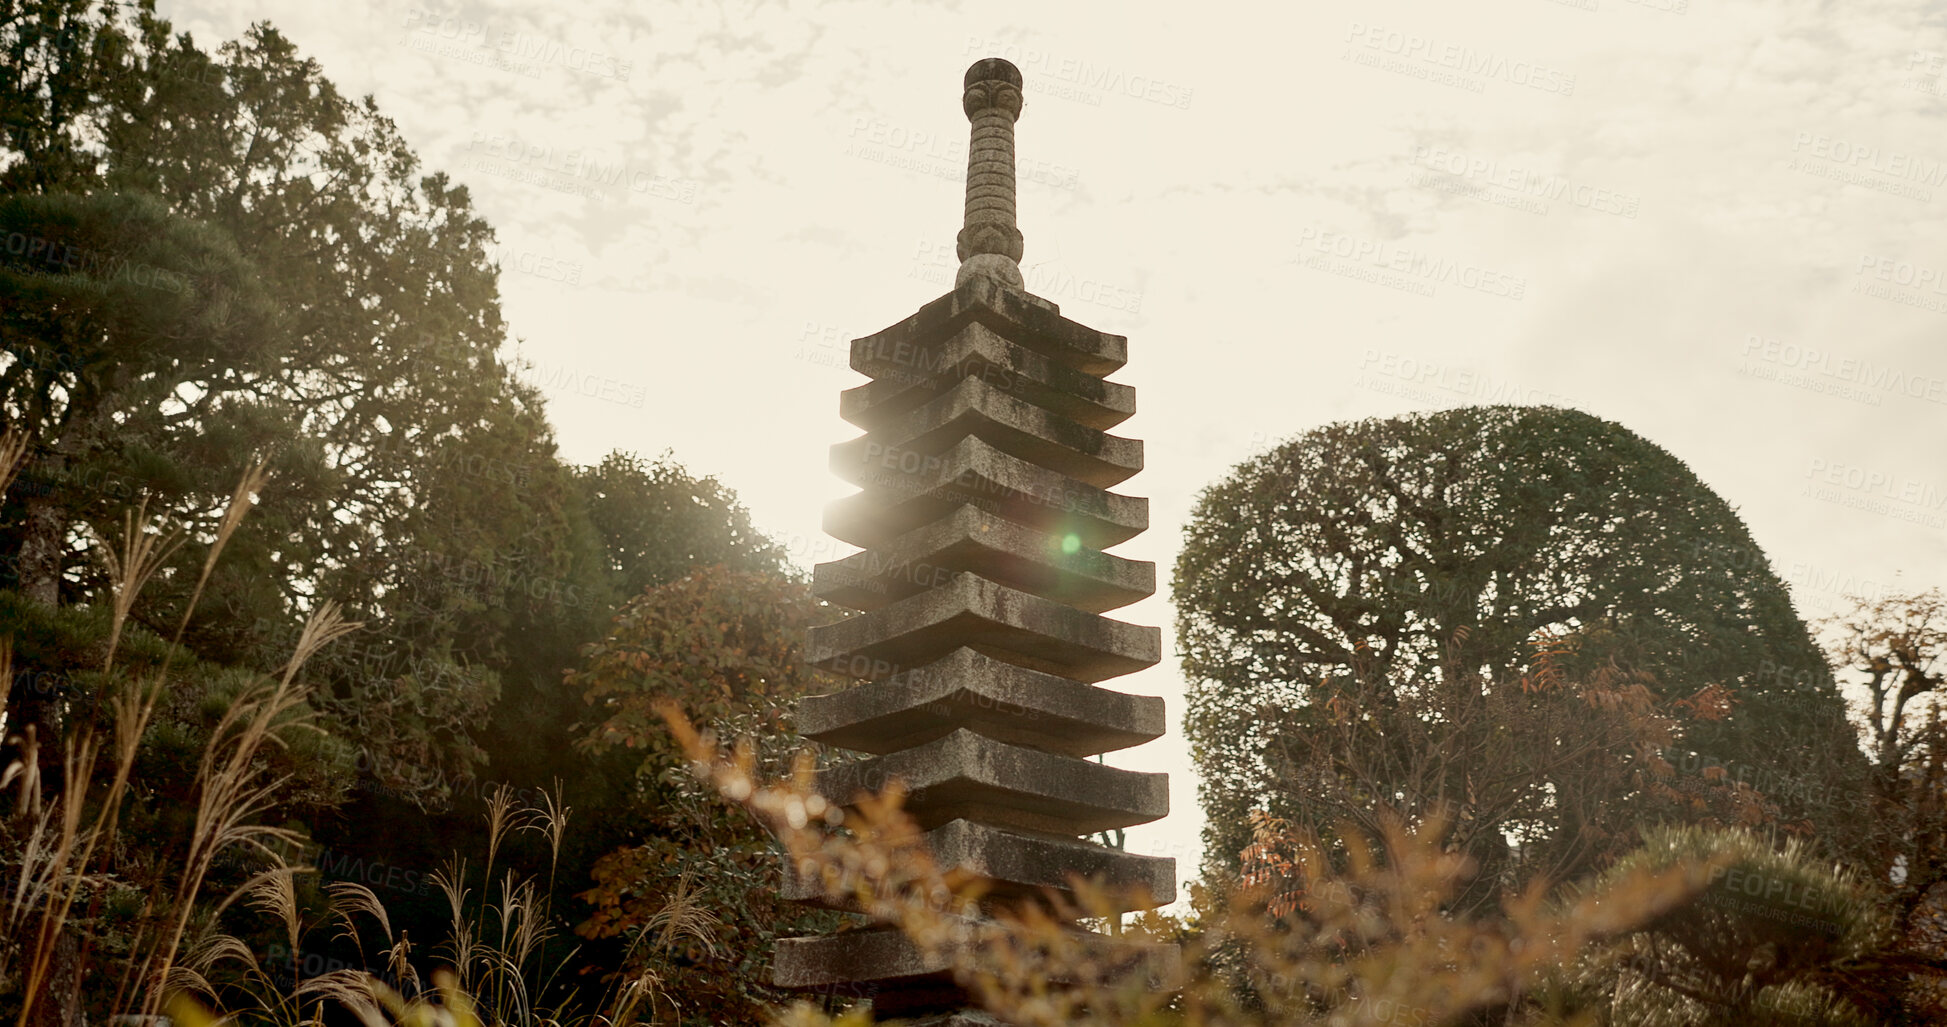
(985, 517)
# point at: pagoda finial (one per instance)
(990, 244)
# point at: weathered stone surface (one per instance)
(965, 775)
(1022, 863)
(874, 962)
(896, 501)
(885, 957)
(989, 244)
(1007, 624)
(1021, 316)
(1018, 866)
(1011, 425)
(962, 1019)
(993, 547)
(876, 954)
(979, 693)
(908, 377)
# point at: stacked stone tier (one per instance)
(1002, 701)
(968, 776)
(1023, 318)
(1015, 866)
(906, 980)
(1002, 551)
(909, 373)
(1010, 625)
(905, 492)
(980, 409)
(984, 513)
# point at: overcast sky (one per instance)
(1716, 222)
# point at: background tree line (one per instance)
(209, 258)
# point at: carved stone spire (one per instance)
(990, 244)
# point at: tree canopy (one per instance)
(211, 257)
(167, 318)
(1437, 552)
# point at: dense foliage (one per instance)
(728, 648)
(166, 324)
(1428, 558)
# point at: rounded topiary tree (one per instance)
(1408, 567)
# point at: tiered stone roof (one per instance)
(984, 512)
